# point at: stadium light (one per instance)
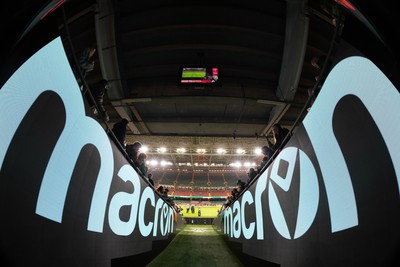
(144, 149)
(161, 150)
(240, 151)
(236, 164)
(153, 162)
(181, 150)
(201, 151)
(221, 151)
(257, 151)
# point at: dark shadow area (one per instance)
(199, 221)
(144, 258)
(246, 259)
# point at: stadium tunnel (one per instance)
(71, 196)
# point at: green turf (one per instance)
(206, 212)
(196, 245)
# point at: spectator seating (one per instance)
(201, 179)
(216, 180)
(169, 178)
(185, 179)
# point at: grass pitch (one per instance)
(195, 246)
(206, 212)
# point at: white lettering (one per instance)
(371, 87)
(237, 228)
(308, 191)
(159, 206)
(168, 217)
(228, 221)
(260, 188)
(120, 199)
(23, 88)
(247, 232)
(148, 194)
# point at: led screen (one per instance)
(199, 75)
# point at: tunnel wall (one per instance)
(68, 196)
(331, 196)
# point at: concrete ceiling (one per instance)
(262, 49)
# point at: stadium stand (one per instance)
(230, 179)
(216, 180)
(185, 179)
(169, 178)
(201, 179)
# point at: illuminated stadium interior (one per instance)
(201, 85)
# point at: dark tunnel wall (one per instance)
(331, 197)
(68, 195)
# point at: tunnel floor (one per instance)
(197, 245)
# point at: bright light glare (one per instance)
(161, 150)
(221, 151)
(236, 164)
(257, 151)
(181, 150)
(240, 151)
(201, 151)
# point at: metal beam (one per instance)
(297, 23)
(108, 59)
